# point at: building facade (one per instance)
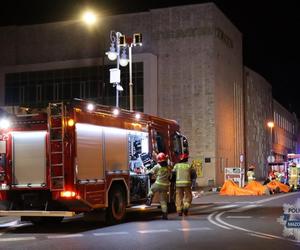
(190, 69)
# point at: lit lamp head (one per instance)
(89, 17)
(270, 124)
(123, 60)
(112, 54)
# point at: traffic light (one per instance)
(137, 39)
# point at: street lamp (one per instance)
(270, 124)
(118, 41)
(113, 54)
(89, 17)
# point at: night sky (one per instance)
(270, 31)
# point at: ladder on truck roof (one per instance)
(56, 137)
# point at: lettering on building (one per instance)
(220, 34)
(194, 32)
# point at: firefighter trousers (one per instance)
(163, 195)
(183, 198)
(293, 181)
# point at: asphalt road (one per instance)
(215, 222)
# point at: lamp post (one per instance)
(271, 126)
(118, 40)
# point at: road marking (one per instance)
(17, 239)
(194, 229)
(64, 236)
(244, 208)
(225, 206)
(154, 231)
(210, 219)
(110, 233)
(218, 217)
(275, 198)
(262, 236)
(238, 217)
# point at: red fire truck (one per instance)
(80, 157)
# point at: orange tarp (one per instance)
(231, 188)
(256, 187)
(274, 184)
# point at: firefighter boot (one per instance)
(180, 213)
(165, 216)
(149, 200)
(185, 211)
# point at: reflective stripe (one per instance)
(162, 183)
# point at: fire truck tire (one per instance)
(116, 210)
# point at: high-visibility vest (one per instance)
(183, 174)
(162, 175)
(251, 175)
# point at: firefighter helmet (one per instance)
(251, 167)
(161, 157)
(183, 157)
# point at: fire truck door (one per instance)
(29, 158)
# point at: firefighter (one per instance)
(161, 184)
(251, 173)
(184, 174)
(293, 176)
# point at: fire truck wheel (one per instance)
(117, 205)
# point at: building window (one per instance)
(40, 87)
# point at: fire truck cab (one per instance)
(81, 157)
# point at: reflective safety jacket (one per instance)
(162, 175)
(251, 175)
(183, 174)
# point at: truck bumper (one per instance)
(37, 213)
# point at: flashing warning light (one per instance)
(71, 122)
(137, 116)
(4, 124)
(116, 111)
(90, 107)
(67, 194)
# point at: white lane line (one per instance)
(238, 217)
(275, 198)
(154, 231)
(246, 202)
(244, 208)
(213, 208)
(64, 236)
(17, 239)
(110, 233)
(194, 229)
(225, 207)
(218, 217)
(210, 219)
(262, 236)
